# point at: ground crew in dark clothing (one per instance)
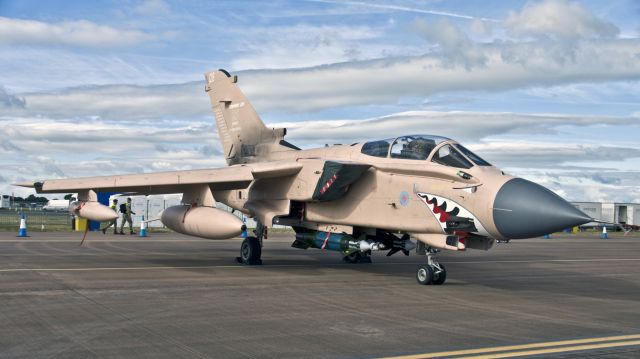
(113, 223)
(126, 217)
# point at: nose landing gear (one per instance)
(432, 272)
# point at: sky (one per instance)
(547, 90)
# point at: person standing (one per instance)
(125, 208)
(114, 223)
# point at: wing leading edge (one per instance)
(234, 177)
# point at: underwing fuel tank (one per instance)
(440, 241)
(335, 242)
(204, 222)
(93, 211)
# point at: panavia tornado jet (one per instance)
(422, 192)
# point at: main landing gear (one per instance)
(432, 272)
(251, 248)
(357, 257)
(250, 252)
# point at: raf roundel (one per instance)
(404, 198)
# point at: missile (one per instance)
(93, 211)
(370, 246)
(204, 222)
(335, 242)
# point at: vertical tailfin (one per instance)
(243, 135)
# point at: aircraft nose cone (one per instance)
(523, 209)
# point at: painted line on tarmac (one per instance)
(511, 351)
(576, 348)
(240, 266)
(547, 260)
(290, 265)
(131, 240)
(113, 268)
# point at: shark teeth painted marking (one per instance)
(439, 205)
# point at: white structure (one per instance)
(5, 201)
(152, 206)
(148, 206)
(628, 213)
(56, 205)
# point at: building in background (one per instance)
(624, 213)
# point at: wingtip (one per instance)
(25, 184)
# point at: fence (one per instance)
(10, 219)
(62, 220)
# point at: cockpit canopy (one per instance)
(421, 147)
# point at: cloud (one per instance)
(589, 185)
(87, 138)
(75, 33)
(53, 148)
(50, 148)
(393, 7)
(384, 81)
(8, 101)
(554, 155)
(121, 102)
(463, 126)
(454, 44)
(78, 67)
(455, 63)
(149, 7)
(305, 45)
(559, 19)
(8, 147)
(550, 51)
(481, 28)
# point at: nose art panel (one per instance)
(451, 215)
(523, 209)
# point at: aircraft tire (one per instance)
(250, 251)
(441, 277)
(354, 257)
(365, 258)
(424, 274)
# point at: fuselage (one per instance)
(434, 186)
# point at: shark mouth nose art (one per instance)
(452, 216)
(440, 209)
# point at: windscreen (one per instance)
(472, 156)
(449, 156)
(415, 147)
(376, 148)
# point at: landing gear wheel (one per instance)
(365, 258)
(424, 274)
(354, 257)
(357, 257)
(250, 251)
(439, 277)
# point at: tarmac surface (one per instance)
(171, 296)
